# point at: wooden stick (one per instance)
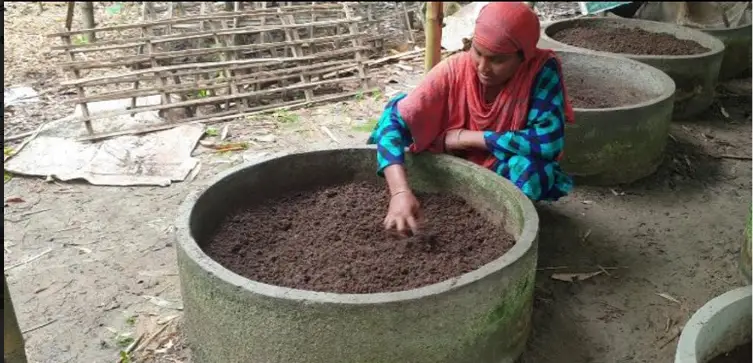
(203, 71)
(69, 15)
(258, 62)
(297, 9)
(356, 43)
(216, 119)
(407, 24)
(196, 19)
(381, 60)
(206, 101)
(297, 51)
(433, 29)
(133, 59)
(79, 89)
(87, 13)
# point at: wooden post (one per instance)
(13, 342)
(69, 15)
(433, 29)
(87, 13)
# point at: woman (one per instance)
(501, 105)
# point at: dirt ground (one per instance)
(92, 268)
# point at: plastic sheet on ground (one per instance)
(20, 95)
(157, 158)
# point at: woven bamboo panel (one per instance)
(211, 61)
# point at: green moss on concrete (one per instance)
(512, 303)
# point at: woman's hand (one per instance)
(403, 214)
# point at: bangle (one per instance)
(457, 141)
(399, 192)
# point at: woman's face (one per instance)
(494, 69)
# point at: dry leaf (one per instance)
(84, 249)
(266, 138)
(163, 303)
(724, 112)
(668, 297)
(576, 276)
(14, 200)
(586, 235)
(167, 319)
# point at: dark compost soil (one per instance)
(627, 40)
(584, 94)
(741, 354)
(331, 239)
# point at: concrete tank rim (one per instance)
(730, 29)
(667, 83)
(686, 346)
(186, 242)
(715, 45)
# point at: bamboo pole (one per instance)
(69, 15)
(87, 13)
(13, 342)
(433, 29)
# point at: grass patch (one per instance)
(211, 132)
(368, 126)
(131, 320)
(80, 39)
(123, 340)
(285, 117)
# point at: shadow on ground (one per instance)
(570, 244)
(685, 168)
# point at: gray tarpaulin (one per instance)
(157, 158)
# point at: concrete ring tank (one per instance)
(717, 327)
(695, 75)
(621, 144)
(737, 50)
(483, 316)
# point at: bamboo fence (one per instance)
(219, 64)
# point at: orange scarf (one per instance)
(451, 96)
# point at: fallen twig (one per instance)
(330, 134)
(153, 336)
(31, 135)
(734, 157)
(8, 268)
(674, 336)
(40, 326)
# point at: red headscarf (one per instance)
(451, 97)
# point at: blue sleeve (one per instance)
(528, 157)
(391, 136)
(543, 138)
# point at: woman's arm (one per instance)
(392, 137)
(543, 137)
(526, 157)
